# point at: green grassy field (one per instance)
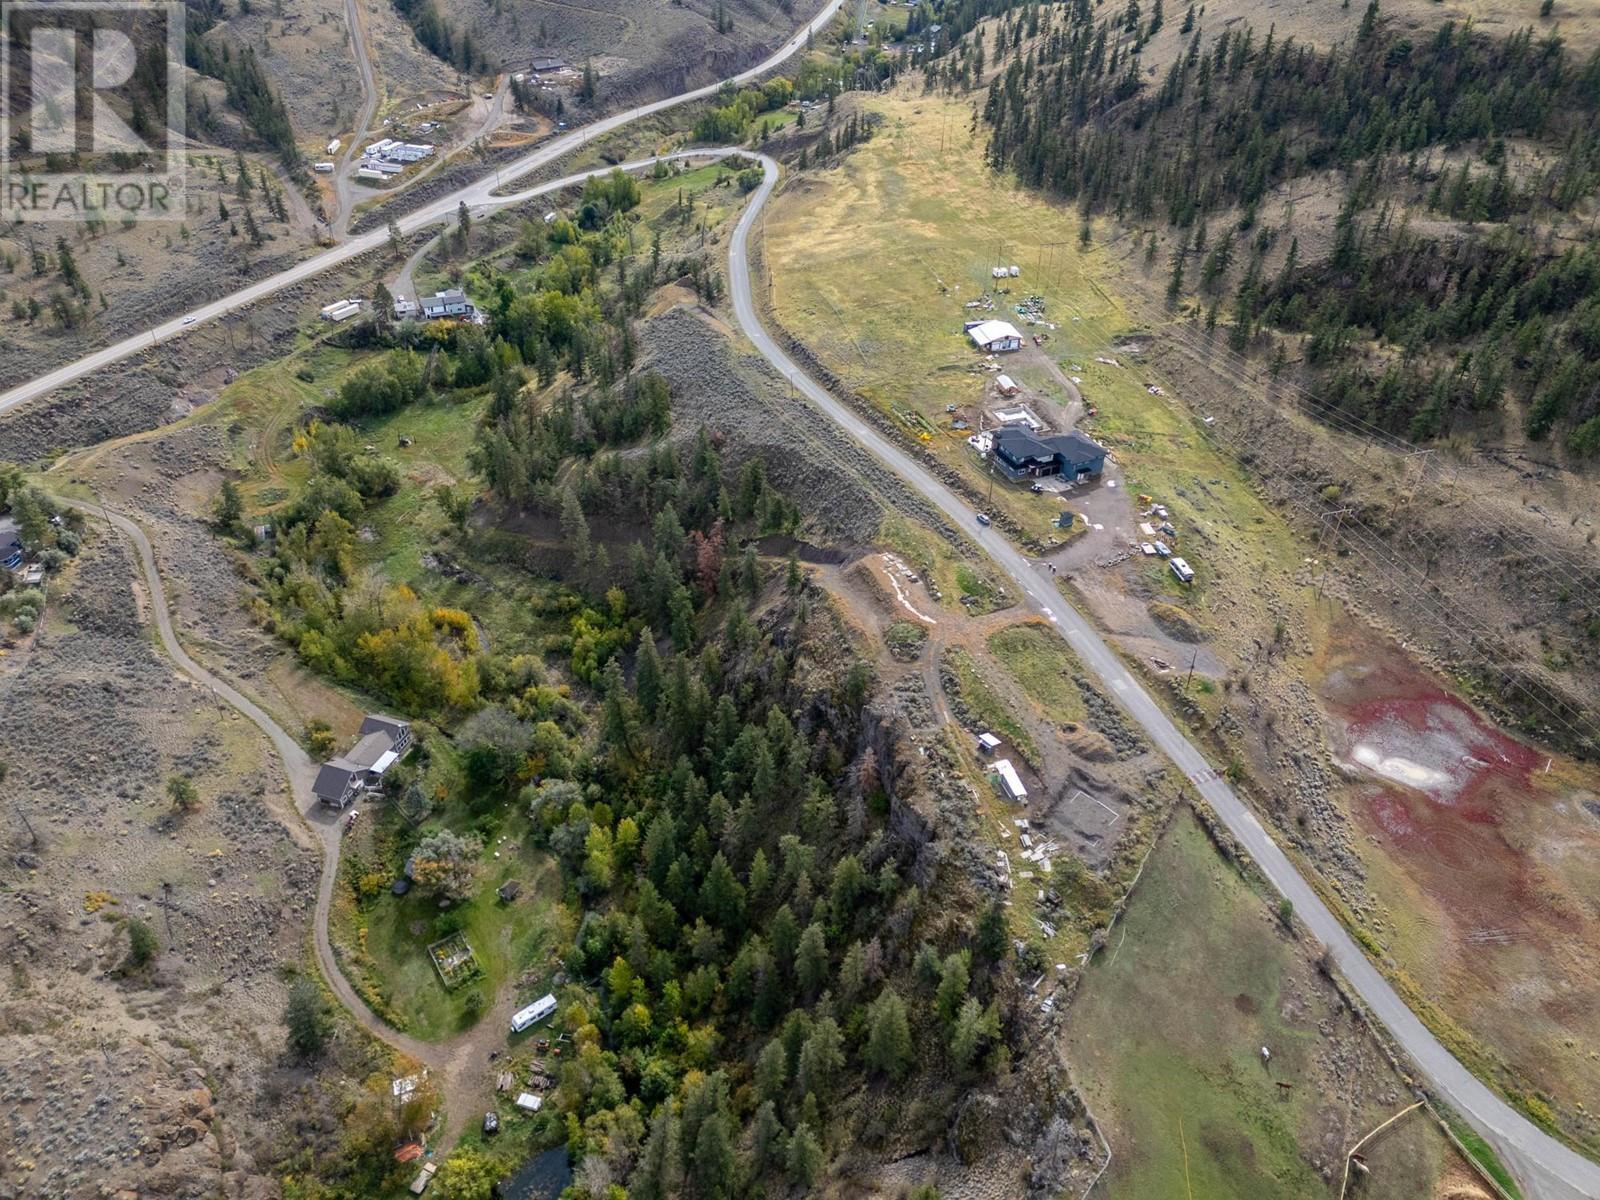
(1165, 1037)
(1043, 666)
(390, 934)
(872, 262)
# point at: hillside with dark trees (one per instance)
(1459, 289)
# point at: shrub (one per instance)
(142, 946)
(306, 1016)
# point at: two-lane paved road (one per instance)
(1547, 1169)
(474, 195)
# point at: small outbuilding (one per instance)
(424, 1178)
(1011, 785)
(1007, 385)
(988, 743)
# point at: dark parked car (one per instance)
(491, 1123)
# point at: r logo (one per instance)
(91, 118)
(54, 111)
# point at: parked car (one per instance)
(983, 518)
(491, 1123)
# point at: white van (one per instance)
(541, 1008)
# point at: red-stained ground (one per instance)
(1485, 854)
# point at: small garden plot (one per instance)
(454, 960)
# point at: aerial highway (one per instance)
(1546, 1168)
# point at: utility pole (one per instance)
(1193, 658)
(166, 908)
(1338, 515)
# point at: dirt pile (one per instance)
(1175, 622)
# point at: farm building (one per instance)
(1011, 786)
(404, 308)
(1023, 454)
(995, 337)
(541, 65)
(384, 742)
(452, 302)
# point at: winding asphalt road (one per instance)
(1547, 1169)
(474, 195)
(456, 1065)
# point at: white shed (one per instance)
(1010, 782)
(1007, 385)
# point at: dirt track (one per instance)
(451, 1063)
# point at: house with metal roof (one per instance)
(994, 337)
(1020, 453)
(399, 731)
